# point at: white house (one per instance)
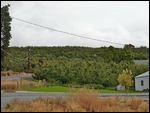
(142, 81)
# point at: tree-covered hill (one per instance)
(77, 65)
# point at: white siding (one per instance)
(138, 86)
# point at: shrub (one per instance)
(98, 86)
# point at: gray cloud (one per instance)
(121, 22)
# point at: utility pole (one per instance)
(28, 59)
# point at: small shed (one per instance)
(142, 82)
(120, 87)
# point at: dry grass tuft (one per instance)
(144, 107)
(18, 84)
(11, 73)
(9, 85)
(135, 103)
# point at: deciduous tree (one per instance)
(125, 79)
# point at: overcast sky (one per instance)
(120, 22)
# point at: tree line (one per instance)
(76, 65)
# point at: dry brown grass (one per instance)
(9, 85)
(18, 84)
(90, 101)
(11, 73)
(84, 101)
(135, 103)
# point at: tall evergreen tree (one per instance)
(5, 29)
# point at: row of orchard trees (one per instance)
(79, 71)
(75, 65)
(107, 54)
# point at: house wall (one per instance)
(138, 86)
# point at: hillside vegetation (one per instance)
(77, 65)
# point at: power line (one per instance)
(14, 56)
(85, 37)
(24, 25)
(83, 34)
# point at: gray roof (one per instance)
(145, 62)
(146, 74)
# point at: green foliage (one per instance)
(141, 53)
(125, 79)
(5, 29)
(128, 46)
(75, 65)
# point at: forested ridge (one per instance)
(77, 65)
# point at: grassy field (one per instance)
(49, 89)
(67, 89)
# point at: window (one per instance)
(142, 83)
